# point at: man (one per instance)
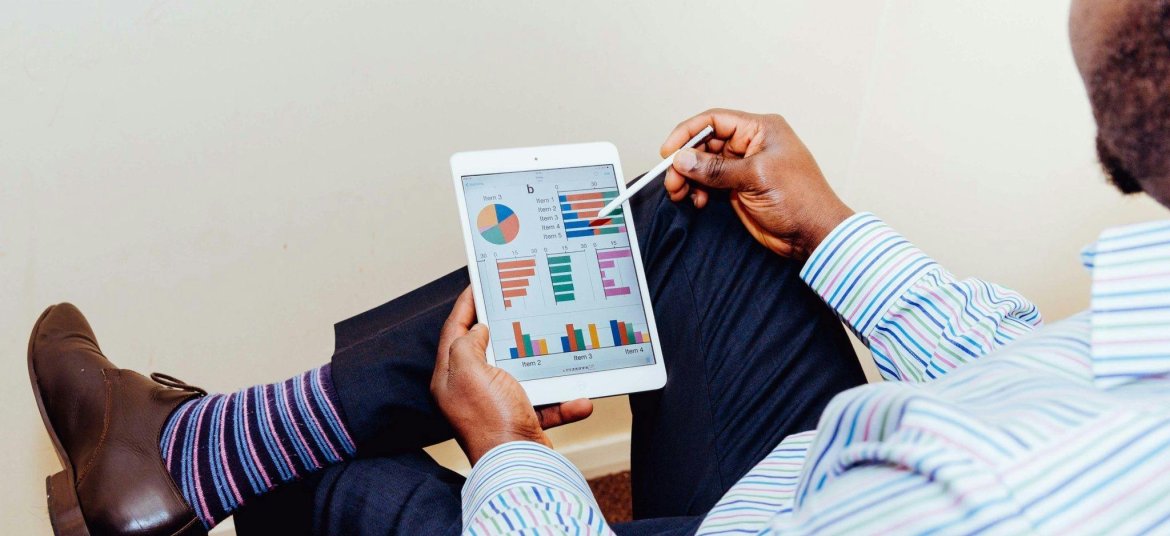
(993, 424)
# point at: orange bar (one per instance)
(593, 336)
(572, 337)
(513, 283)
(543, 347)
(519, 339)
(522, 263)
(583, 197)
(513, 274)
(582, 205)
(515, 293)
(622, 332)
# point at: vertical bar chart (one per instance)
(526, 346)
(515, 278)
(560, 269)
(579, 212)
(607, 260)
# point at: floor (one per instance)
(613, 496)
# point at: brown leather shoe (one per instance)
(105, 423)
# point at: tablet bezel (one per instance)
(585, 385)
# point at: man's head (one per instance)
(1122, 48)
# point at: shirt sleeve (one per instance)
(524, 487)
(917, 319)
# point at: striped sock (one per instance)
(223, 449)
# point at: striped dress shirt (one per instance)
(989, 422)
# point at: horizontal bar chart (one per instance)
(560, 271)
(579, 212)
(515, 278)
(607, 260)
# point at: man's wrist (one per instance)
(476, 448)
(821, 225)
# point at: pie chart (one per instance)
(498, 224)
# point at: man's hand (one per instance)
(777, 189)
(485, 405)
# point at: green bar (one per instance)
(580, 339)
(564, 287)
(629, 333)
(563, 259)
(564, 297)
(562, 278)
(609, 195)
(560, 268)
(614, 220)
(528, 346)
(608, 230)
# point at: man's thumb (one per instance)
(711, 170)
(471, 347)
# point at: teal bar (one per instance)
(568, 287)
(564, 297)
(629, 332)
(528, 346)
(560, 268)
(563, 259)
(562, 278)
(608, 230)
(580, 339)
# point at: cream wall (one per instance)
(214, 184)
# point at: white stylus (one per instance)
(653, 173)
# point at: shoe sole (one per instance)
(61, 494)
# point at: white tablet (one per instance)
(562, 291)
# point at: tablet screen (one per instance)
(559, 283)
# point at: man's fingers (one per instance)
(462, 316)
(564, 413)
(731, 126)
(714, 170)
(677, 186)
(463, 313)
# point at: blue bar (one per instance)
(613, 328)
(514, 354)
(565, 343)
(579, 233)
(564, 198)
(576, 224)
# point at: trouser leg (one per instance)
(752, 355)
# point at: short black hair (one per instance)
(1130, 94)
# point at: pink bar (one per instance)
(613, 253)
(607, 283)
(605, 264)
(622, 291)
(638, 336)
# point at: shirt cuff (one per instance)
(862, 268)
(528, 472)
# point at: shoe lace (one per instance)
(175, 383)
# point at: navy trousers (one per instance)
(752, 355)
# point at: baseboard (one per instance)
(602, 456)
(596, 457)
